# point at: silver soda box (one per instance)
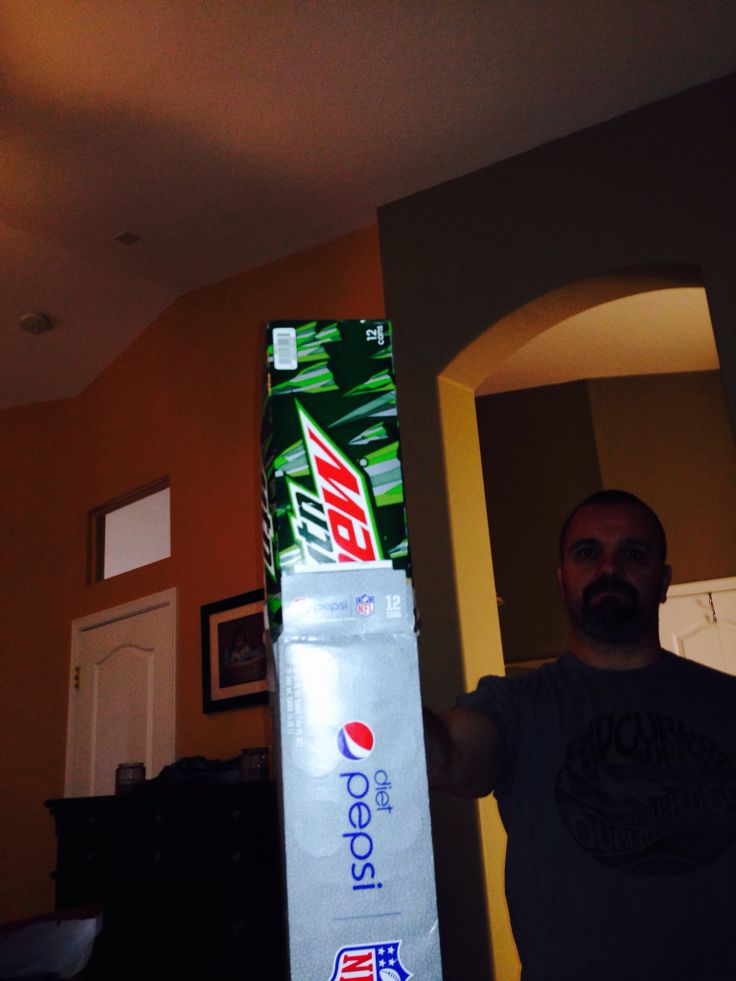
(351, 764)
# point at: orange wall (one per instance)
(182, 400)
(37, 449)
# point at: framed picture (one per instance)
(233, 655)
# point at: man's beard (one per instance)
(615, 618)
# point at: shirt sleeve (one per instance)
(497, 699)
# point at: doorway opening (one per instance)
(625, 394)
(494, 354)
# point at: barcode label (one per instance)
(284, 348)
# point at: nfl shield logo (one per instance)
(370, 962)
(365, 605)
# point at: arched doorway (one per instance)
(471, 544)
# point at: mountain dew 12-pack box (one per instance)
(332, 482)
(349, 755)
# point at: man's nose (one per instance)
(609, 563)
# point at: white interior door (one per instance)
(122, 694)
(698, 622)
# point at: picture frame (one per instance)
(234, 670)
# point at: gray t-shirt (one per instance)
(618, 795)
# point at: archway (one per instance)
(470, 541)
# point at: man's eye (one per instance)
(636, 554)
(588, 552)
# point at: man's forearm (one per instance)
(463, 752)
(439, 752)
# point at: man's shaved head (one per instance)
(607, 497)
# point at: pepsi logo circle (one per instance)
(355, 740)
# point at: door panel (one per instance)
(698, 622)
(122, 695)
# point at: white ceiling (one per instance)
(228, 133)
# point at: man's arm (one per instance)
(463, 752)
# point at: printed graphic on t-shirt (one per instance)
(647, 794)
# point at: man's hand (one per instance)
(463, 752)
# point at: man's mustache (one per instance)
(607, 584)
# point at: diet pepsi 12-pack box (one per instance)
(348, 734)
(358, 853)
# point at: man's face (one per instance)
(611, 575)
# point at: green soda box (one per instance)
(332, 485)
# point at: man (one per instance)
(614, 773)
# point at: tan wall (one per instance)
(649, 191)
(182, 400)
(668, 439)
(539, 460)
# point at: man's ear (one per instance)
(666, 580)
(558, 577)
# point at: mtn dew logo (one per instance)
(335, 522)
(370, 962)
(267, 527)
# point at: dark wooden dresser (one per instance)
(188, 879)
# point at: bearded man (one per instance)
(613, 769)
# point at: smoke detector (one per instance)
(36, 323)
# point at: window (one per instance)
(131, 531)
